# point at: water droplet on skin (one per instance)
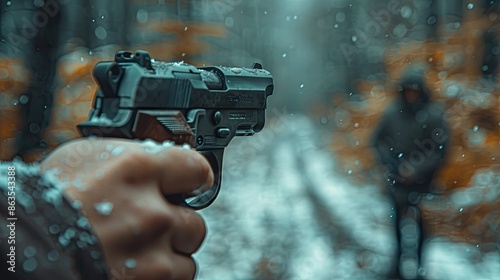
(29, 252)
(336, 26)
(302, 86)
(30, 265)
(103, 208)
(104, 156)
(284, 55)
(109, 147)
(470, 6)
(295, 17)
(476, 128)
(349, 172)
(130, 263)
(356, 125)
(400, 155)
(186, 147)
(461, 209)
(117, 151)
(78, 183)
(183, 54)
(185, 28)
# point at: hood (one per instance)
(413, 78)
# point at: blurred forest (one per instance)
(334, 61)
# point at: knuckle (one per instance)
(158, 219)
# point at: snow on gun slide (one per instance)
(284, 213)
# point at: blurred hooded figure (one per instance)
(410, 142)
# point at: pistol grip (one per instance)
(214, 157)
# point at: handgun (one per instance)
(141, 98)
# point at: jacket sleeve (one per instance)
(42, 234)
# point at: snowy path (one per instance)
(284, 213)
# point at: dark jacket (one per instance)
(412, 138)
(42, 235)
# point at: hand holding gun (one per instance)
(205, 107)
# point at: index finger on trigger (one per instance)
(184, 171)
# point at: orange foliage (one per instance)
(74, 95)
(14, 80)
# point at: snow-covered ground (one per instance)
(285, 213)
